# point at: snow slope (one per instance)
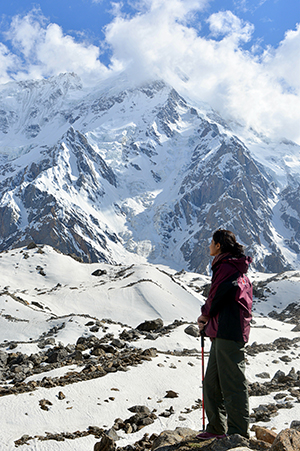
(42, 289)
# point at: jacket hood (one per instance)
(241, 263)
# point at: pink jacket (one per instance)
(229, 302)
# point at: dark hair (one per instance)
(228, 242)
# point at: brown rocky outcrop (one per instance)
(287, 440)
(264, 434)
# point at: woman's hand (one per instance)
(202, 321)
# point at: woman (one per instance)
(225, 318)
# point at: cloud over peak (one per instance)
(164, 40)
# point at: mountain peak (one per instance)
(120, 172)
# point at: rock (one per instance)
(44, 403)
(285, 358)
(292, 374)
(130, 335)
(57, 354)
(171, 394)
(117, 343)
(140, 409)
(264, 412)
(3, 358)
(31, 245)
(167, 438)
(264, 434)
(61, 396)
(94, 329)
(151, 325)
(287, 440)
(295, 425)
(99, 272)
(150, 352)
(150, 336)
(263, 375)
(280, 396)
(192, 330)
(168, 412)
(112, 434)
(279, 376)
(106, 444)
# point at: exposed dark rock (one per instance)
(151, 325)
(99, 272)
(192, 330)
(106, 444)
(295, 425)
(290, 314)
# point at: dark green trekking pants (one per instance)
(225, 389)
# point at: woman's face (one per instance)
(214, 248)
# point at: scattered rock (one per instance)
(192, 330)
(264, 434)
(168, 412)
(287, 440)
(61, 396)
(295, 425)
(99, 272)
(44, 403)
(140, 409)
(285, 358)
(290, 314)
(31, 245)
(151, 325)
(263, 375)
(171, 394)
(106, 444)
(167, 438)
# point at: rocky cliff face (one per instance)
(117, 173)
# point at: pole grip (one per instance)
(202, 338)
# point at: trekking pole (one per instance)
(202, 365)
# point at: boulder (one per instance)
(151, 325)
(99, 272)
(140, 409)
(192, 330)
(287, 440)
(295, 425)
(264, 434)
(167, 438)
(106, 444)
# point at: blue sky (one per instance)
(240, 56)
(271, 18)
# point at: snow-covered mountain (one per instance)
(124, 174)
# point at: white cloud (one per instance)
(240, 84)
(225, 23)
(45, 51)
(8, 62)
(162, 40)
